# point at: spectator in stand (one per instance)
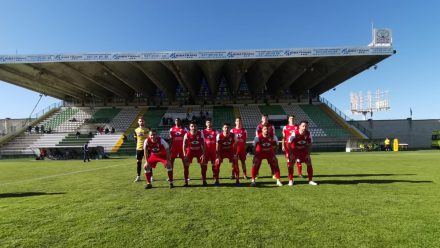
(90, 134)
(113, 130)
(49, 130)
(98, 130)
(42, 128)
(37, 129)
(106, 130)
(101, 130)
(30, 129)
(77, 134)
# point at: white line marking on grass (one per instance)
(64, 174)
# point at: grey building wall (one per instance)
(10, 125)
(416, 133)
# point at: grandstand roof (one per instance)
(126, 75)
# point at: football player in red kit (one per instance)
(226, 148)
(194, 147)
(259, 130)
(300, 143)
(210, 135)
(287, 131)
(241, 135)
(176, 140)
(155, 151)
(265, 146)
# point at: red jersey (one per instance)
(158, 148)
(300, 141)
(210, 136)
(193, 142)
(241, 135)
(260, 130)
(287, 132)
(226, 143)
(264, 145)
(176, 136)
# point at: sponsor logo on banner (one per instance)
(380, 48)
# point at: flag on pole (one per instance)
(410, 112)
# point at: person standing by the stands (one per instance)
(85, 149)
(140, 134)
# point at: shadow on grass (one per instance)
(244, 184)
(372, 181)
(27, 194)
(362, 175)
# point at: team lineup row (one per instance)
(208, 145)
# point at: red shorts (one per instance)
(229, 156)
(153, 160)
(210, 155)
(177, 151)
(268, 156)
(194, 154)
(301, 155)
(241, 153)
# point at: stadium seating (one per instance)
(107, 141)
(251, 117)
(322, 120)
(272, 109)
(122, 121)
(73, 140)
(49, 140)
(222, 114)
(56, 120)
(325, 129)
(104, 115)
(153, 116)
(21, 145)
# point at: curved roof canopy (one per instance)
(108, 76)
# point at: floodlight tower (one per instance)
(371, 104)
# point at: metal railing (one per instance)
(346, 118)
(42, 112)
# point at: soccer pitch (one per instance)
(381, 199)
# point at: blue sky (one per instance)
(411, 76)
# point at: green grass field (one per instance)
(363, 200)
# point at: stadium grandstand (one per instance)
(103, 94)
